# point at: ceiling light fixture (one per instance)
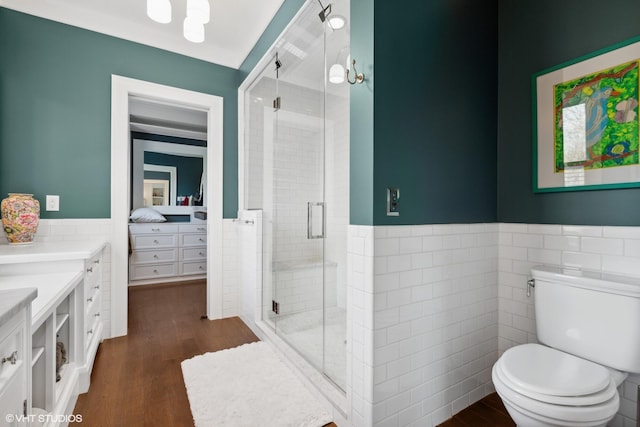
(159, 10)
(193, 30)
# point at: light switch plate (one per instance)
(393, 198)
(53, 203)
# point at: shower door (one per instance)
(296, 170)
(297, 206)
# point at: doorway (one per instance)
(122, 88)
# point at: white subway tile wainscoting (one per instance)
(431, 308)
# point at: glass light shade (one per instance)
(193, 30)
(336, 22)
(198, 10)
(336, 74)
(159, 10)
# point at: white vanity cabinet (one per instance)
(15, 354)
(65, 319)
(167, 252)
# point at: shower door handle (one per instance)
(315, 220)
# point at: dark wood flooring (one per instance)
(137, 379)
(487, 412)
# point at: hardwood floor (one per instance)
(137, 379)
(487, 412)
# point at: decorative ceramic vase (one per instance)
(20, 216)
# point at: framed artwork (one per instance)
(586, 124)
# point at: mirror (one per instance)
(169, 155)
(164, 174)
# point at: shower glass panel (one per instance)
(296, 170)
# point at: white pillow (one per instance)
(147, 215)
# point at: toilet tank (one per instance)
(590, 314)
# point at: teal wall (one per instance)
(55, 109)
(534, 36)
(425, 121)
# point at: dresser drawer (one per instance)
(193, 240)
(194, 268)
(154, 256)
(193, 228)
(155, 228)
(144, 241)
(152, 271)
(193, 254)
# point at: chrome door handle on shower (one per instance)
(315, 220)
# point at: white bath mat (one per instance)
(248, 386)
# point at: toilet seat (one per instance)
(551, 376)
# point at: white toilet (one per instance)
(588, 324)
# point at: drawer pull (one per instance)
(96, 287)
(202, 229)
(96, 261)
(200, 253)
(90, 270)
(13, 358)
(201, 267)
(155, 256)
(155, 229)
(155, 271)
(201, 239)
(89, 299)
(96, 315)
(90, 331)
(155, 241)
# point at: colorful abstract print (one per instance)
(596, 119)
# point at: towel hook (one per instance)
(358, 77)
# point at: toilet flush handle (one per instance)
(531, 283)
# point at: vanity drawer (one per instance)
(155, 228)
(193, 254)
(193, 228)
(92, 317)
(93, 270)
(193, 240)
(154, 256)
(154, 241)
(194, 268)
(152, 271)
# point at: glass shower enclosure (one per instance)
(296, 159)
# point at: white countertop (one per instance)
(13, 300)
(52, 288)
(50, 251)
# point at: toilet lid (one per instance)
(543, 370)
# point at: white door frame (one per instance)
(121, 89)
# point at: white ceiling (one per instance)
(233, 30)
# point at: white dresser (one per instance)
(163, 252)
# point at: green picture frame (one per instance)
(586, 126)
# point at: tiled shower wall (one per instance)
(610, 249)
(432, 307)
